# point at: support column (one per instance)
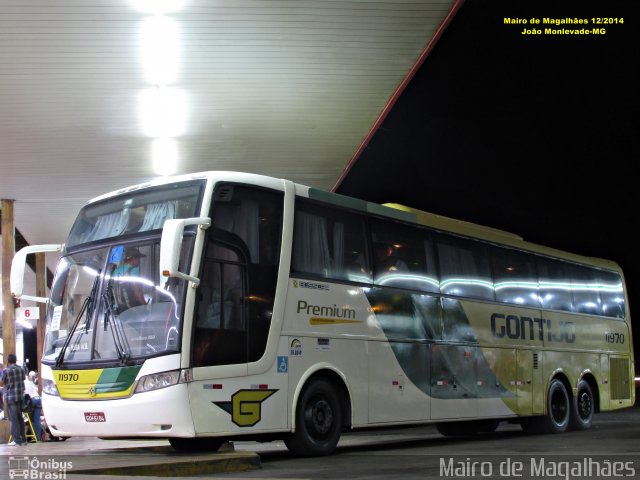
(41, 291)
(8, 250)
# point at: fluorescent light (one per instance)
(164, 152)
(160, 49)
(157, 6)
(163, 112)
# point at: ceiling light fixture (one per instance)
(160, 50)
(164, 152)
(163, 112)
(157, 7)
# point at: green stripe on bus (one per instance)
(361, 205)
(117, 379)
(338, 200)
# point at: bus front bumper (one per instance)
(160, 413)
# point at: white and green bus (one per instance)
(220, 305)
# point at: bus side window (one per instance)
(465, 270)
(611, 294)
(403, 256)
(329, 243)
(515, 277)
(555, 284)
(584, 289)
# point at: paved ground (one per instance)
(611, 447)
(417, 453)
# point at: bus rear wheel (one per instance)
(582, 407)
(196, 444)
(318, 420)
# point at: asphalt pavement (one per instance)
(611, 449)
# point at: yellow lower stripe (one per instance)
(330, 321)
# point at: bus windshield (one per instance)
(108, 301)
(110, 304)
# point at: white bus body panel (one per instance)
(353, 343)
(238, 405)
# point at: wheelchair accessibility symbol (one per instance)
(283, 364)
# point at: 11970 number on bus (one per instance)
(611, 337)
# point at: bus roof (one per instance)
(209, 175)
(460, 227)
(389, 210)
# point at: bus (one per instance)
(216, 306)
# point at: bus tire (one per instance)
(582, 407)
(196, 444)
(318, 420)
(558, 410)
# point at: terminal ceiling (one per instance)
(287, 88)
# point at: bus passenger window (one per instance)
(464, 268)
(515, 277)
(555, 284)
(612, 294)
(403, 256)
(329, 243)
(387, 259)
(584, 289)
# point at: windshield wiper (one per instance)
(87, 307)
(112, 321)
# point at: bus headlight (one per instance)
(49, 387)
(157, 380)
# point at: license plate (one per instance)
(94, 417)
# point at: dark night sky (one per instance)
(537, 135)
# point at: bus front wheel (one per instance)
(318, 420)
(582, 407)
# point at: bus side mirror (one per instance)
(18, 265)
(171, 244)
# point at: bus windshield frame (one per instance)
(109, 304)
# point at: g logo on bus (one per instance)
(245, 406)
(92, 391)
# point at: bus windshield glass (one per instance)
(108, 301)
(137, 212)
(111, 304)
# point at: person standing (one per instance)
(13, 392)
